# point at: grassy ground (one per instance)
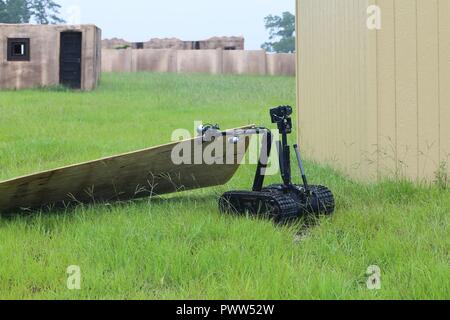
(179, 246)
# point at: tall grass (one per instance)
(179, 246)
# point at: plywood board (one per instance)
(128, 176)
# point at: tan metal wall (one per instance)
(252, 62)
(375, 103)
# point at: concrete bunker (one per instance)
(48, 55)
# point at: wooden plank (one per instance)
(444, 82)
(128, 176)
(406, 61)
(428, 87)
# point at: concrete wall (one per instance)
(375, 104)
(218, 61)
(117, 60)
(154, 60)
(281, 64)
(199, 61)
(244, 62)
(43, 67)
(91, 57)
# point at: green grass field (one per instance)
(179, 246)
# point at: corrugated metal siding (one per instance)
(375, 103)
(444, 81)
(332, 79)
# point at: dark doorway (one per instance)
(70, 60)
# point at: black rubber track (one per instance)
(323, 200)
(274, 204)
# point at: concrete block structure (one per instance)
(225, 43)
(374, 86)
(47, 55)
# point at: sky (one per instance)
(141, 20)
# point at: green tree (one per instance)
(24, 11)
(45, 11)
(281, 33)
(14, 11)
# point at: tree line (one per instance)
(26, 11)
(281, 33)
(281, 28)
